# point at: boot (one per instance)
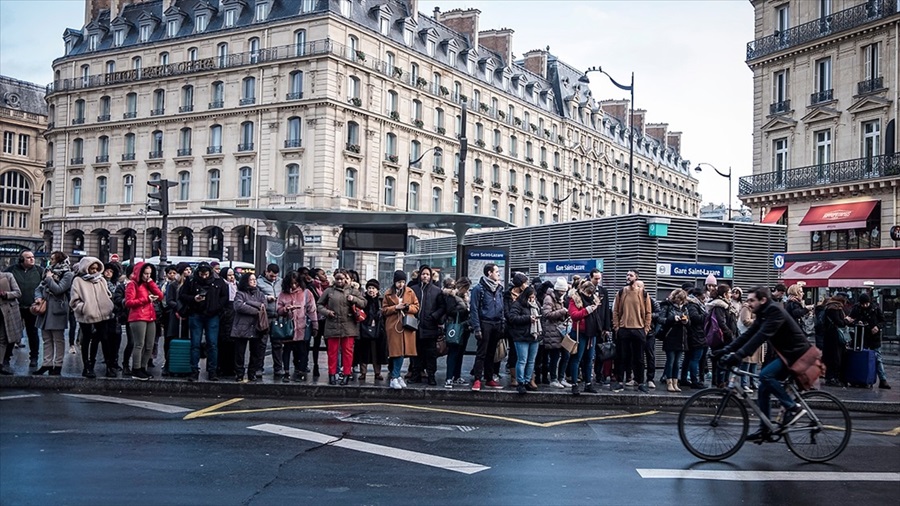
(669, 386)
(332, 379)
(675, 385)
(531, 384)
(89, 370)
(346, 379)
(431, 380)
(40, 372)
(56, 371)
(545, 379)
(512, 378)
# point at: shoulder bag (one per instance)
(262, 323)
(607, 350)
(359, 314)
(502, 350)
(569, 344)
(283, 328)
(410, 322)
(453, 332)
(38, 307)
(808, 368)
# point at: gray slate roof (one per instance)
(22, 96)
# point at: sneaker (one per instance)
(617, 387)
(556, 384)
(520, 389)
(631, 383)
(72, 349)
(476, 386)
(140, 374)
(651, 384)
(395, 384)
(643, 388)
(493, 384)
(565, 384)
(589, 388)
(884, 384)
(759, 436)
(575, 389)
(792, 415)
(448, 383)
(461, 382)
(402, 381)
(212, 377)
(748, 390)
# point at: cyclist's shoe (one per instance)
(792, 415)
(760, 436)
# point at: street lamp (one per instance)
(584, 79)
(437, 150)
(728, 175)
(571, 193)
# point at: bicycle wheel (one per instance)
(713, 423)
(823, 434)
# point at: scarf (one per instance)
(232, 290)
(492, 285)
(91, 278)
(60, 269)
(536, 323)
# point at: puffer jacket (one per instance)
(91, 300)
(304, 299)
(344, 323)
(696, 338)
(137, 295)
(246, 313)
(553, 315)
(518, 322)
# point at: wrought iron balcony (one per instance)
(821, 96)
(217, 104)
(846, 171)
(155, 154)
(870, 85)
(103, 117)
(847, 19)
(186, 108)
(247, 146)
(157, 112)
(49, 164)
(248, 101)
(184, 152)
(78, 121)
(292, 143)
(78, 160)
(127, 157)
(780, 107)
(297, 95)
(129, 115)
(102, 159)
(214, 150)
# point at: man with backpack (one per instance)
(632, 317)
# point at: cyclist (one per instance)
(775, 325)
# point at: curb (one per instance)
(376, 393)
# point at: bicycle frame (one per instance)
(788, 384)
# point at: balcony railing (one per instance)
(103, 117)
(78, 160)
(870, 85)
(846, 19)
(129, 115)
(186, 108)
(248, 101)
(157, 112)
(78, 121)
(247, 146)
(292, 143)
(217, 104)
(155, 154)
(102, 159)
(780, 107)
(214, 150)
(184, 152)
(846, 171)
(821, 96)
(297, 95)
(127, 157)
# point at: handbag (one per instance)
(502, 350)
(369, 330)
(283, 328)
(410, 322)
(38, 307)
(607, 350)
(441, 346)
(262, 323)
(453, 332)
(359, 314)
(808, 368)
(844, 335)
(569, 344)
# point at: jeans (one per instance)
(770, 379)
(455, 353)
(526, 351)
(396, 364)
(556, 361)
(209, 324)
(751, 368)
(693, 359)
(585, 344)
(487, 345)
(587, 359)
(672, 359)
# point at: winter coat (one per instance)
(246, 313)
(722, 309)
(518, 322)
(553, 316)
(28, 281)
(773, 325)
(697, 317)
(632, 309)
(9, 307)
(137, 297)
(834, 319)
(578, 311)
(177, 321)
(343, 323)
(600, 320)
(486, 306)
(401, 342)
(216, 295)
(746, 319)
(91, 299)
(431, 310)
(56, 292)
(270, 288)
(456, 306)
(796, 309)
(307, 313)
(872, 317)
(674, 331)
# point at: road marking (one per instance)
(458, 466)
(214, 407)
(694, 474)
(155, 406)
(21, 396)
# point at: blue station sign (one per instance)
(695, 270)
(570, 267)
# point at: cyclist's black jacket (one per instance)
(775, 325)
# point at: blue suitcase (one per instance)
(859, 363)
(179, 361)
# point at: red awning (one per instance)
(774, 215)
(838, 216)
(844, 273)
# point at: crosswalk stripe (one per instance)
(694, 474)
(155, 406)
(21, 396)
(458, 466)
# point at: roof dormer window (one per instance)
(230, 16)
(346, 7)
(384, 26)
(93, 42)
(262, 11)
(118, 37)
(146, 31)
(408, 36)
(429, 47)
(200, 23)
(172, 28)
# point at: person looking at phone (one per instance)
(205, 298)
(140, 295)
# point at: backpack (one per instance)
(714, 337)
(821, 323)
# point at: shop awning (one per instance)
(843, 273)
(837, 216)
(774, 214)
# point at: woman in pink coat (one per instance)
(298, 302)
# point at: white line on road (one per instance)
(458, 466)
(22, 396)
(693, 474)
(155, 406)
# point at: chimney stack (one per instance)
(414, 10)
(616, 108)
(498, 41)
(462, 21)
(92, 9)
(639, 115)
(658, 131)
(536, 62)
(673, 140)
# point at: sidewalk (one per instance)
(856, 399)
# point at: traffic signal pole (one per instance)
(161, 205)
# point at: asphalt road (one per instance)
(100, 450)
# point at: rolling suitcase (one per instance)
(859, 364)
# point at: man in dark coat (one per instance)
(28, 275)
(784, 334)
(871, 319)
(431, 315)
(599, 327)
(204, 297)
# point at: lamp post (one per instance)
(571, 193)
(630, 88)
(728, 175)
(437, 150)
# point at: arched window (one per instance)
(15, 189)
(248, 90)
(76, 191)
(293, 179)
(102, 187)
(156, 144)
(300, 42)
(213, 178)
(128, 189)
(436, 196)
(103, 149)
(350, 183)
(413, 197)
(389, 191)
(393, 102)
(79, 112)
(184, 185)
(246, 182)
(159, 103)
(390, 146)
(495, 209)
(526, 217)
(253, 49)
(476, 205)
(136, 65)
(47, 197)
(293, 133)
(217, 95)
(187, 99)
(184, 144)
(246, 136)
(513, 180)
(512, 213)
(542, 217)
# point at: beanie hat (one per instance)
(399, 276)
(687, 287)
(519, 279)
(373, 282)
(181, 267)
(864, 298)
(561, 285)
(711, 280)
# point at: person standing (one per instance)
(270, 285)
(598, 326)
(399, 301)
(341, 327)
(871, 319)
(11, 325)
(794, 304)
(297, 302)
(431, 316)
(178, 312)
(55, 290)
(524, 324)
(696, 341)
(519, 283)
(140, 296)
(371, 348)
(582, 305)
(487, 317)
(94, 310)
(456, 300)
(249, 302)
(719, 313)
(833, 353)
(28, 276)
(225, 357)
(204, 298)
(673, 333)
(632, 317)
(317, 283)
(553, 325)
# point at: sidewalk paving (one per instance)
(856, 399)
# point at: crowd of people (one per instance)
(576, 335)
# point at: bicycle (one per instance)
(714, 422)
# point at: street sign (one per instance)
(569, 267)
(778, 260)
(312, 239)
(694, 270)
(658, 230)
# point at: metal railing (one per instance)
(102, 159)
(127, 157)
(870, 85)
(846, 171)
(292, 143)
(155, 154)
(247, 146)
(847, 19)
(184, 152)
(297, 95)
(214, 150)
(780, 107)
(821, 96)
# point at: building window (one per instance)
(436, 196)
(187, 98)
(93, 42)
(184, 185)
(103, 149)
(76, 191)
(110, 66)
(262, 11)
(293, 133)
(77, 151)
(871, 141)
(780, 86)
(128, 189)
(145, 32)
(439, 120)
(213, 178)
(159, 103)
(118, 37)
(136, 65)
(353, 89)
(780, 160)
(408, 37)
(352, 135)
(308, 6)
(429, 47)
(384, 25)
(200, 23)
(23, 144)
(495, 173)
(129, 147)
(513, 146)
(872, 61)
(246, 182)
(171, 28)
(295, 84)
(79, 112)
(246, 136)
(350, 183)
(248, 91)
(393, 102)
(253, 49)
(217, 95)
(823, 76)
(156, 144)
(390, 145)
(230, 16)
(184, 144)
(513, 180)
(822, 154)
(389, 191)
(300, 42)
(130, 105)
(346, 6)
(15, 189)
(215, 139)
(782, 18)
(495, 209)
(104, 109)
(222, 53)
(526, 217)
(438, 160)
(412, 202)
(101, 190)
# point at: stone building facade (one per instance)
(326, 104)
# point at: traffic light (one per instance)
(161, 195)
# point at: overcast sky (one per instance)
(687, 58)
